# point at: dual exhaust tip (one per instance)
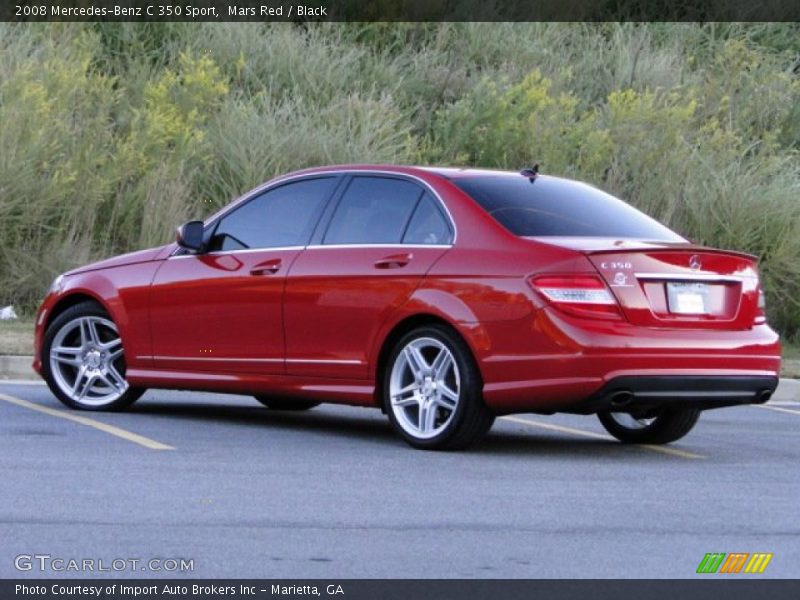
(621, 398)
(763, 396)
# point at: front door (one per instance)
(222, 311)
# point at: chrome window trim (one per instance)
(241, 251)
(398, 245)
(275, 182)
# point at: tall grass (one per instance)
(113, 133)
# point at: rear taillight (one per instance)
(761, 310)
(580, 295)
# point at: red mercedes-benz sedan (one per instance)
(444, 297)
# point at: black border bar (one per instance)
(399, 10)
(701, 588)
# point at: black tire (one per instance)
(286, 403)
(83, 309)
(668, 425)
(471, 419)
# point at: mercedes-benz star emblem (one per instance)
(694, 262)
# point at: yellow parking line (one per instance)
(601, 436)
(110, 429)
(777, 409)
(560, 428)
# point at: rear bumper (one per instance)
(703, 392)
(554, 364)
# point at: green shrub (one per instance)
(502, 125)
(56, 145)
(113, 133)
(257, 138)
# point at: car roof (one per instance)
(446, 172)
(462, 172)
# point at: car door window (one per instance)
(373, 210)
(428, 225)
(283, 216)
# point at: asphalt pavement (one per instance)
(242, 491)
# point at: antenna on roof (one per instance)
(531, 173)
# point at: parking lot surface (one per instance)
(243, 491)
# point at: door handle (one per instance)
(268, 267)
(395, 261)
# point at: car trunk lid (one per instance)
(675, 285)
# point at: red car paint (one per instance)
(313, 321)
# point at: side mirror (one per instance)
(190, 235)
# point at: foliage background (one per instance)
(113, 133)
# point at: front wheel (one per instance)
(661, 427)
(432, 391)
(83, 360)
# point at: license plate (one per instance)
(688, 298)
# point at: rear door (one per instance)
(383, 235)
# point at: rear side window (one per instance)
(373, 210)
(282, 216)
(428, 225)
(557, 207)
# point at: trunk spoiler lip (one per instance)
(610, 245)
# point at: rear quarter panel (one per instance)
(484, 294)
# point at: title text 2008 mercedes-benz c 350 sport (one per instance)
(444, 297)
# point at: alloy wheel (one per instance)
(424, 387)
(87, 363)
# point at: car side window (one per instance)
(428, 225)
(282, 216)
(373, 210)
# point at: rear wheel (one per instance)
(286, 404)
(83, 360)
(661, 427)
(432, 391)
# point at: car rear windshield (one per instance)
(548, 206)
